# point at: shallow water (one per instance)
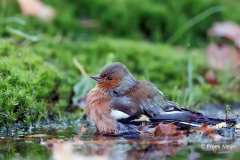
(94, 146)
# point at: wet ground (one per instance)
(57, 142)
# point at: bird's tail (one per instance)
(186, 118)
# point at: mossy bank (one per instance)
(36, 80)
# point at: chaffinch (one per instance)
(119, 102)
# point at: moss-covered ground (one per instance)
(37, 80)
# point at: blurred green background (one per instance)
(160, 41)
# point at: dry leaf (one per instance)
(221, 125)
(216, 137)
(237, 126)
(222, 56)
(209, 130)
(228, 30)
(37, 9)
(204, 128)
(210, 77)
(168, 131)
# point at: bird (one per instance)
(119, 104)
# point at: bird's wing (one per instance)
(124, 107)
(152, 100)
(143, 98)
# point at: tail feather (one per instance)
(179, 117)
(182, 117)
(189, 117)
(175, 113)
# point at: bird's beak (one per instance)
(96, 77)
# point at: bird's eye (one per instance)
(109, 78)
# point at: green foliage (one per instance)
(155, 20)
(229, 83)
(26, 83)
(84, 86)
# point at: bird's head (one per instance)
(115, 79)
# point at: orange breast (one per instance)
(99, 112)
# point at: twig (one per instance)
(80, 133)
(79, 66)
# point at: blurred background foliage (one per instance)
(159, 41)
(154, 20)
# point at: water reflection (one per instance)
(107, 147)
(93, 146)
(114, 148)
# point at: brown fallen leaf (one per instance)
(37, 9)
(211, 78)
(202, 128)
(168, 131)
(209, 131)
(216, 137)
(222, 56)
(228, 30)
(205, 129)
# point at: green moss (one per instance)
(26, 82)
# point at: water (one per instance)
(58, 142)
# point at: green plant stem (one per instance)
(2, 15)
(194, 21)
(80, 67)
(190, 74)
